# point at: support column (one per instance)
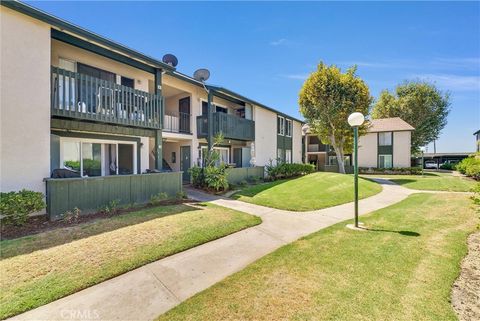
(158, 133)
(210, 120)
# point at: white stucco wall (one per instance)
(401, 149)
(265, 136)
(24, 102)
(297, 142)
(367, 150)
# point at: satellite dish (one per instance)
(201, 74)
(170, 59)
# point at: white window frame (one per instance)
(98, 141)
(288, 156)
(281, 126)
(384, 155)
(382, 134)
(288, 127)
(204, 150)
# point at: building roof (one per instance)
(394, 124)
(478, 131)
(66, 26)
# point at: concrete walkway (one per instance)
(153, 289)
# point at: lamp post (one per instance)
(355, 120)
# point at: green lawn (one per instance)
(310, 192)
(38, 269)
(433, 182)
(402, 269)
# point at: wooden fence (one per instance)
(91, 193)
(236, 175)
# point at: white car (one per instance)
(431, 165)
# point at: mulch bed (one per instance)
(40, 223)
(466, 289)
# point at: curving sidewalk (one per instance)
(147, 292)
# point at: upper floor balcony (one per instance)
(79, 96)
(232, 127)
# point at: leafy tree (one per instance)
(418, 103)
(326, 100)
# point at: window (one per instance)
(127, 82)
(385, 161)
(281, 155)
(280, 125)
(92, 157)
(224, 153)
(204, 108)
(220, 109)
(288, 156)
(66, 87)
(385, 139)
(332, 160)
(288, 129)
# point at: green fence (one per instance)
(91, 193)
(236, 175)
(334, 169)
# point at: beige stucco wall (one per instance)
(265, 136)
(297, 142)
(401, 149)
(24, 102)
(367, 150)
(69, 52)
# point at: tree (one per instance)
(418, 103)
(326, 100)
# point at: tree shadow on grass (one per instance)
(63, 235)
(405, 233)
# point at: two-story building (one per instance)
(386, 144)
(73, 99)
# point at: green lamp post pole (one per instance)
(355, 170)
(355, 120)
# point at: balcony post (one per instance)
(210, 120)
(158, 132)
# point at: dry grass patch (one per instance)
(402, 269)
(44, 271)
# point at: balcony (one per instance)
(78, 96)
(177, 122)
(232, 127)
(313, 148)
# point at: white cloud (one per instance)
(452, 82)
(296, 76)
(278, 42)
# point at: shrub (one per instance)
(391, 171)
(286, 170)
(158, 198)
(243, 183)
(255, 179)
(16, 206)
(197, 176)
(181, 195)
(447, 166)
(216, 178)
(72, 216)
(470, 166)
(110, 208)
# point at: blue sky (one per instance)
(264, 50)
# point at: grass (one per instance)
(402, 269)
(38, 269)
(433, 182)
(310, 192)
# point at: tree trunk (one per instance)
(340, 159)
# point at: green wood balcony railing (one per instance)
(232, 127)
(75, 95)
